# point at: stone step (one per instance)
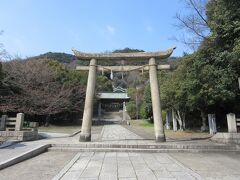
(75, 149)
(149, 146)
(145, 147)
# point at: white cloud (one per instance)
(111, 29)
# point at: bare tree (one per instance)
(34, 87)
(193, 23)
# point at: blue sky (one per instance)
(33, 27)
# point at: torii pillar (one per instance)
(85, 134)
(156, 106)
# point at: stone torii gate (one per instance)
(152, 67)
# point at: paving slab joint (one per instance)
(67, 167)
(102, 132)
(187, 169)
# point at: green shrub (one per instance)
(131, 109)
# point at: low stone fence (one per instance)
(11, 128)
(12, 123)
(233, 135)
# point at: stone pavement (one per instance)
(129, 165)
(117, 132)
(117, 138)
(112, 135)
(212, 165)
(134, 165)
(15, 150)
(114, 165)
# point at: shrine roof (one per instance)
(113, 95)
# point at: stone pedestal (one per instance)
(231, 121)
(85, 134)
(156, 106)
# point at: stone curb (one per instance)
(24, 156)
(140, 150)
(66, 167)
(148, 146)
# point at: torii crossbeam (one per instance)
(152, 67)
(123, 68)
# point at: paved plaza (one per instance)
(111, 165)
(148, 166)
(42, 167)
(70, 163)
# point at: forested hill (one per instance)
(60, 57)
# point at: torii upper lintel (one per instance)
(124, 56)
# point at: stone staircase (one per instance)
(109, 118)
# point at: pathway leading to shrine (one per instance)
(112, 165)
(123, 165)
(151, 166)
(117, 132)
(119, 165)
